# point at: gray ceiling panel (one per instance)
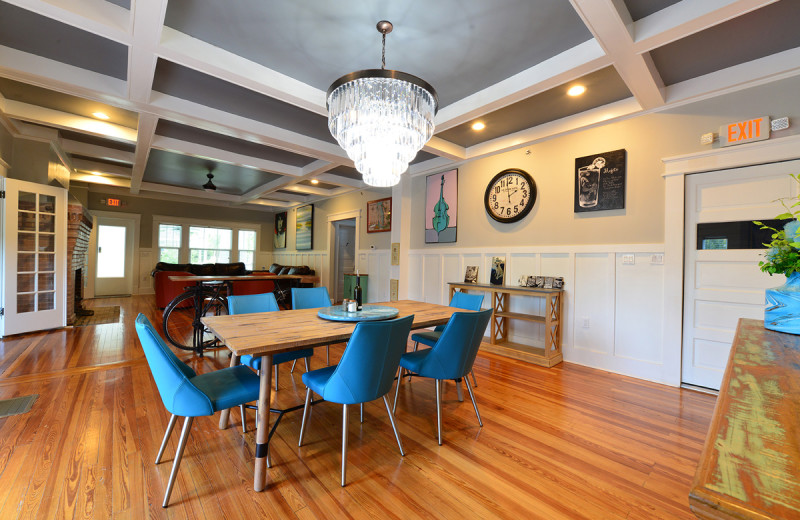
(29, 32)
(423, 156)
(345, 171)
(458, 46)
(322, 185)
(231, 144)
(190, 172)
(185, 83)
(771, 29)
(43, 97)
(110, 162)
(97, 141)
(122, 3)
(639, 9)
(602, 87)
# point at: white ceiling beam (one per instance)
(148, 21)
(96, 151)
(446, 149)
(686, 18)
(331, 178)
(95, 16)
(302, 189)
(265, 188)
(147, 129)
(218, 154)
(121, 182)
(437, 164)
(609, 22)
(318, 167)
(95, 166)
(55, 118)
(270, 203)
(208, 59)
(570, 64)
(287, 195)
(225, 123)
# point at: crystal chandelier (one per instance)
(381, 118)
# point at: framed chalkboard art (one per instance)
(600, 181)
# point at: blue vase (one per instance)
(782, 312)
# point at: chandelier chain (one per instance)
(383, 53)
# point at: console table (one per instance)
(750, 465)
(548, 355)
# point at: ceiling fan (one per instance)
(209, 186)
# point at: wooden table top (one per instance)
(281, 331)
(750, 465)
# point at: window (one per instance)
(247, 247)
(169, 243)
(209, 245)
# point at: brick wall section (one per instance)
(79, 228)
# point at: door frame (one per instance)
(329, 273)
(92, 260)
(334, 286)
(675, 170)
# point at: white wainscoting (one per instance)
(613, 312)
(143, 284)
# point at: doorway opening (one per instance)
(345, 255)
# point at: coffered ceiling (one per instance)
(238, 88)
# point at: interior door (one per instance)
(34, 257)
(345, 254)
(114, 265)
(722, 285)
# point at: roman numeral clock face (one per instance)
(510, 195)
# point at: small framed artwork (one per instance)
(471, 274)
(441, 207)
(379, 215)
(395, 260)
(393, 289)
(304, 233)
(600, 181)
(498, 270)
(279, 238)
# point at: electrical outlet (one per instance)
(657, 258)
(585, 322)
(628, 259)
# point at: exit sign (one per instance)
(114, 203)
(744, 131)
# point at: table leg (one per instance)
(262, 428)
(226, 413)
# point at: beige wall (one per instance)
(6, 144)
(347, 202)
(149, 207)
(30, 161)
(647, 140)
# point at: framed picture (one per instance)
(441, 207)
(498, 270)
(393, 289)
(379, 215)
(279, 238)
(471, 274)
(304, 233)
(600, 181)
(395, 260)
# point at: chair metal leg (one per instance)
(305, 417)
(294, 363)
(187, 427)
(474, 404)
(397, 388)
(244, 418)
(170, 426)
(308, 367)
(362, 412)
(276, 377)
(344, 442)
(439, 408)
(394, 426)
(459, 391)
(327, 355)
(474, 381)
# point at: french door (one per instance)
(34, 257)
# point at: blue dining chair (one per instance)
(311, 298)
(186, 394)
(265, 302)
(460, 300)
(450, 358)
(364, 373)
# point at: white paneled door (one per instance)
(34, 257)
(723, 285)
(114, 265)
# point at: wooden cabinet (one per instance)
(547, 355)
(350, 283)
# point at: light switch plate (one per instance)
(628, 259)
(657, 259)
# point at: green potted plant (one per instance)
(782, 311)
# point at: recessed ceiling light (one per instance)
(101, 115)
(576, 90)
(314, 181)
(478, 126)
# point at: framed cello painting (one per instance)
(441, 207)
(379, 215)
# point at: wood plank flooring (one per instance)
(564, 442)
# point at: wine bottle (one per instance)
(357, 292)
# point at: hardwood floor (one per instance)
(564, 442)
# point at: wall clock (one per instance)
(510, 195)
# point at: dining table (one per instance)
(268, 333)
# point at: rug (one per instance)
(101, 315)
(17, 405)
